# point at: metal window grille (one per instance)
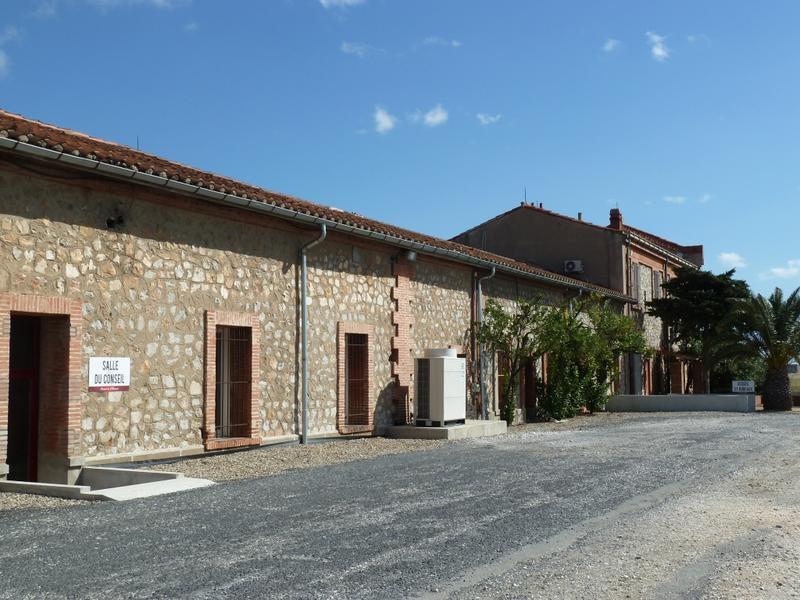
(234, 381)
(423, 388)
(356, 378)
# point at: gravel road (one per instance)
(655, 506)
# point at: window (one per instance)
(355, 396)
(234, 382)
(633, 284)
(658, 281)
(356, 379)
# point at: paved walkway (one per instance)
(523, 515)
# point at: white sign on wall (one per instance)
(109, 373)
(744, 387)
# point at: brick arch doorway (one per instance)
(40, 374)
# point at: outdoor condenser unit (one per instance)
(441, 389)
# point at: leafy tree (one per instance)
(570, 363)
(613, 335)
(518, 335)
(775, 336)
(749, 367)
(585, 341)
(708, 314)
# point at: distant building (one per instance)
(616, 256)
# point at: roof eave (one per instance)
(175, 186)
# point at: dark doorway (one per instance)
(23, 399)
(234, 381)
(528, 393)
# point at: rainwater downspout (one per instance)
(304, 322)
(481, 351)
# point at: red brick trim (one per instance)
(343, 328)
(233, 319)
(227, 443)
(67, 433)
(402, 340)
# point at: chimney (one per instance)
(615, 221)
(580, 216)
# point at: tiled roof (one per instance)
(22, 129)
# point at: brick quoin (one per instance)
(231, 319)
(60, 406)
(402, 341)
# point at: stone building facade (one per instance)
(109, 252)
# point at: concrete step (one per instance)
(109, 483)
(145, 490)
(470, 429)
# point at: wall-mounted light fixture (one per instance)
(115, 222)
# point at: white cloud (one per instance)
(792, 269)
(434, 117)
(45, 10)
(658, 46)
(487, 119)
(340, 3)
(359, 50)
(9, 34)
(610, 45)
(4, 63)
(732, 260)
(161, 4)
(435, 40)
(698, 37)
(384, 121)
(675, 199)
(191, 27)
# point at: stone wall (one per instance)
(145, 289)
(351, 284)
(442, 306)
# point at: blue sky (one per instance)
(436, 114)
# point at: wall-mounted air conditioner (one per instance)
(573, 266)
(441, 389)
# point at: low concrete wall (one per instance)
(57, 490)
(106, 477)
(680, 403)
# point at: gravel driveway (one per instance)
(640, 506)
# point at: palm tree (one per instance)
(775, 336)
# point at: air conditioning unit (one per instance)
(441, 389)
(573, 267)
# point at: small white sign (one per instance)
(744, 387)
(109, 373)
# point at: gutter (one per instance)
(156, 181)
(323, 233)
(651, 246)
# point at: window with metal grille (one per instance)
(423, 388)
(356, 385)
(234, 381)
